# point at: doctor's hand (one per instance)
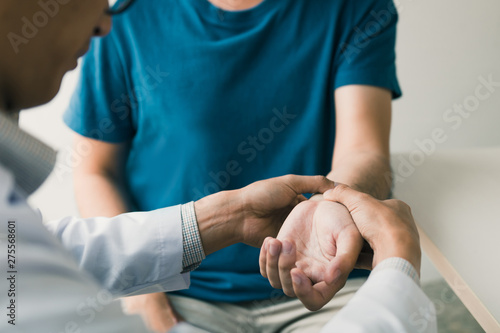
(317, 247)
(387, 225)
(251, 214)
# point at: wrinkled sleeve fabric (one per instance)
(48, 291)
(389, 301)
(133, 253)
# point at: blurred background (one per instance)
(445, 49)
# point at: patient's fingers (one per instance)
(286, 263)
(263, 258)
(349, 245)
(273, 253)
(314, 297)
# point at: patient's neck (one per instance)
(236, 4)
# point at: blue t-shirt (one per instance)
(214, 100)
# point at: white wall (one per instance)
(55, 198)
(443, 47)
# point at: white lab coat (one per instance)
(389, 302)
(129, 254)
(138, 253)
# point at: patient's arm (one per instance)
(361, 160)
(361, 156)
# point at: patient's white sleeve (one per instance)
(389, 301)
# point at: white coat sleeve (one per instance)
(133, 253)
(389, 301)
(43, 289)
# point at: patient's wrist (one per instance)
(317, 197)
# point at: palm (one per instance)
(318, 229)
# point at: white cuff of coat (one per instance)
(399, 264)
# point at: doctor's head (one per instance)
(41, 40)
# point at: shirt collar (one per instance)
(28, 159)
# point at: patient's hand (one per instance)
(320, 243)
(155, 309)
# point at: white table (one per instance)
(455, 199)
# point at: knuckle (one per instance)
(400, 205)
(275, 285)
(407, 207)
(321, 179)
(341, 187)
(284, 266)
(289, 292)
(363, 196)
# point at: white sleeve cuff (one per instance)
(399, 264)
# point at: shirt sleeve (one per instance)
(133, 253)
(193, 253)
(49, 292)
(103, 103)
(389, 301)
(366, 53)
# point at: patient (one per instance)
(190, 97)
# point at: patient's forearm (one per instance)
(364, 171)
(99, 195)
